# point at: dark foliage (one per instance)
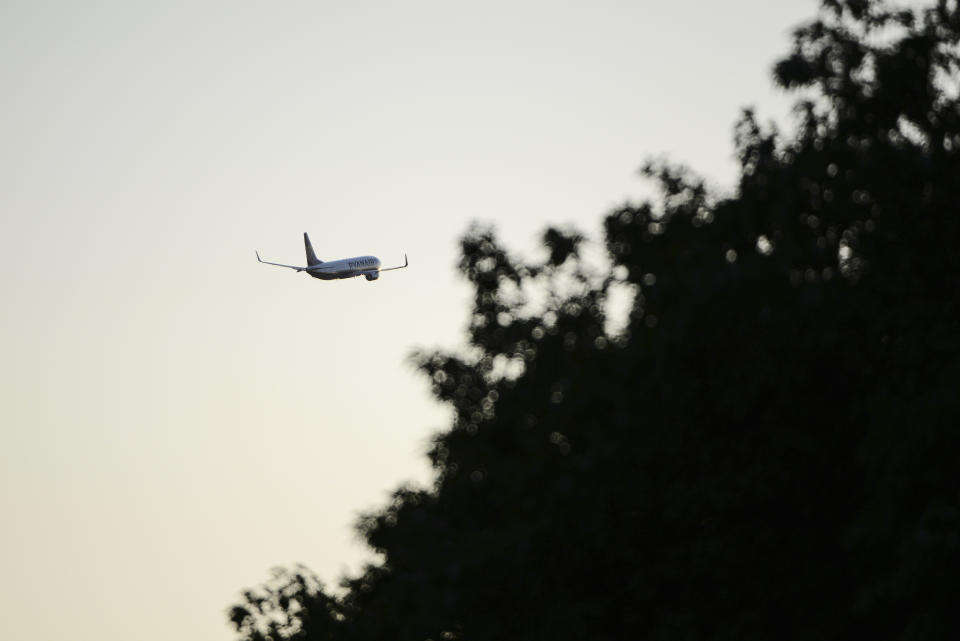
(767, 450)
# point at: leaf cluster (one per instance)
(767, 449)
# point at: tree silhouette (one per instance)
(766, 450)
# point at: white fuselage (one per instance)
(367, 266)
(347, 268)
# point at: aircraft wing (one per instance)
(267, 262)
(405, 263)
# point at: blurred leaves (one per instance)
(767, 449)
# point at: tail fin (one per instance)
(311, 257)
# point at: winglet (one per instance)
(406, 262)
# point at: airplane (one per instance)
(366, 266)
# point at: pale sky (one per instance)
(175, 418)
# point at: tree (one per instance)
(766, 450)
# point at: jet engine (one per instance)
(372, 276)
